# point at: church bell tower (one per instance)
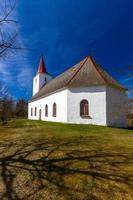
(41, 78)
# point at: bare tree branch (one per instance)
(8, 32)
(7, 11)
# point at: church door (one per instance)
(40, 114)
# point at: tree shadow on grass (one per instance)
(51, 169)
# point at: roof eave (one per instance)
(48, 94)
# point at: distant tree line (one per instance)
(10, 108)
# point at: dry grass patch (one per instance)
(52, 161)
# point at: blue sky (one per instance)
(66, 31)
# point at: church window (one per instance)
(40, 114)
(35, 111)
(46, 110)
(84, 108)
(54, 110)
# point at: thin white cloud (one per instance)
(24, 77)
(5, 73)
(128, 80)
(15, 72)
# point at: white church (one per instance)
(83, 94)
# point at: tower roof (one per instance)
(41, 67)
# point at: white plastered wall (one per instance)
(107, 106)
(60, 98)
(116, 107)
(96, 97)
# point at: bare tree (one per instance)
(21, 109)
(6, 109)
(8, 28)
(5, 104)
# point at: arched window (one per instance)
(40, 114)
(46, 110)
(35, 111)
(45, 79)
(84, 108)
(54, 110)
(31, 111)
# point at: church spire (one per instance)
(41, 67)
(41, 78)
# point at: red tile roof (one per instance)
(41, 67)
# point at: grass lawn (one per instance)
(52, 161)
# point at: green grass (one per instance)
(53, 161)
